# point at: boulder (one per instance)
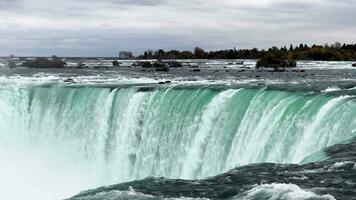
(354, 65)
(161, 67)
(144, 64)
(116, 63)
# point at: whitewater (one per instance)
(57, 139)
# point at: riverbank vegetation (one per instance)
(334, 52)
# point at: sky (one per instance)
(105, 27)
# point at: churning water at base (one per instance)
(84, 137)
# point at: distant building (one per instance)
(125, 55)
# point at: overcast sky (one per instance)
(104, 27)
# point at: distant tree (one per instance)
(185, 55)
(300, 52)
(159, 54)
(337, 45)
(199, 53)
(291, 48)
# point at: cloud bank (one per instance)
(102, 28)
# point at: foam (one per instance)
(280, 191)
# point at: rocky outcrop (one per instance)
(276, 63)
(273, 59)
(45, 63)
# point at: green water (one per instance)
(116, 135)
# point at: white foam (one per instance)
(131, 194)
(281, 191)
(331, 89)
(118, 195)
(339, 165)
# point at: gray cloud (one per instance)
(9, 4)
(138, 2)
(104, 27)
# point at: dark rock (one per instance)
(276, 64)
(116, 63)
(160, 67)
(164, 82)
(69, 80)
(45, 63)
(195, 70)
(144, 64)
(279, 69)
(354, 65)
(174, 64)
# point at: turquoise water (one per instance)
(85, 137)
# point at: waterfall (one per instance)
(86, 137)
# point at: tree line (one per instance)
(326, 52)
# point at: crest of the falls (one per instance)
(91, 136)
